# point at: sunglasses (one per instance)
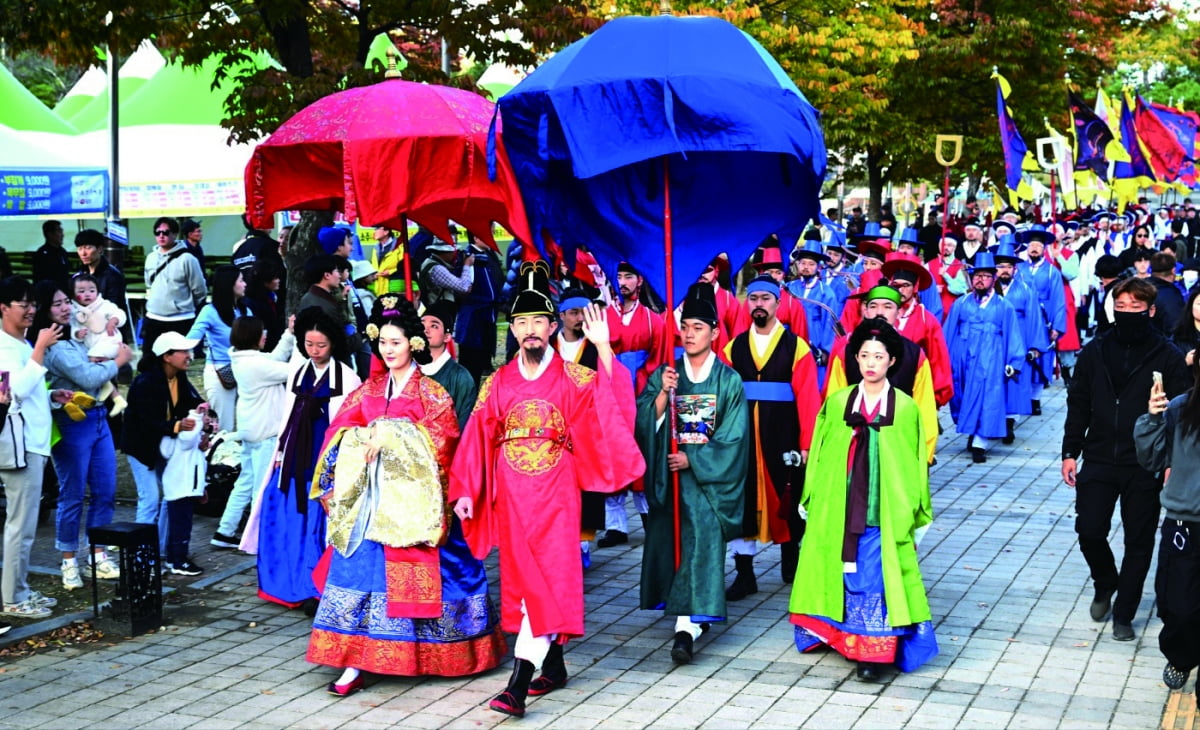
(163, 232)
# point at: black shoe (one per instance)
(1010, 426)
(682, 651)
(225, 542)
(512, 700)
(184, 568)
(309, 606)
(554, 673)
(745, 583)
(611, 538)
(1101, 604)
(867, 672)
(1066, 377)
(5, 627)
(1037, 408)
(978, 456)
(789, 556)
(1174, 678)
(1123, 631)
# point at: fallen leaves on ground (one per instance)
(73, 635)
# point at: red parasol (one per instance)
(386, 152)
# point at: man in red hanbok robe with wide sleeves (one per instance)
(542, 431)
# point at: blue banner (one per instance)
(53, 192)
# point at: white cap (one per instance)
(169, 341)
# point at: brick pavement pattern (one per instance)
(1008, 589)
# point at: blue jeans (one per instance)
(84, 457)
(179, 532)
(150, 508)
(256, 462)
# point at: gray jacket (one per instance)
(1160, 445)
(175, 286)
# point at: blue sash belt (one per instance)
(634, 360)
(770, 391)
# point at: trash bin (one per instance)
(139, 589)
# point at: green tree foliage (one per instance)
(320, 45)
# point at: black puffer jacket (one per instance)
(1100, 415)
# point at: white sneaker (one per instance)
(27, 609)
(38, 599)
(71, 579)
(105, 569)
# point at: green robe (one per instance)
(711, 491)
(819, 589)
(461, 386)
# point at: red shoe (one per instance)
(507, 703)
(544, 685)
(347, 689)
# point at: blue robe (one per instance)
(290, 542)
(820, 321)
(1047, 281)
(1018, 391)
(982, 341)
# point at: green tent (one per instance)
(20, 109)
(92, 113)
(94, 81)
(178, 95)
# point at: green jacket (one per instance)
(711, 491)
(904, 505)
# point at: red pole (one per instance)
(945, 208)
(1053, 202)
(667, 249)
(408, 282)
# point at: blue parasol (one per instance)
(690, 109)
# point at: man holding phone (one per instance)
(1114, 372)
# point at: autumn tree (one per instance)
(947, 89)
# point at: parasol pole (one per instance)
(667, 252)
(664, 8)
(947, 162)
(1049, 155)
(408, 280)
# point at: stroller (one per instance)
(224, 457)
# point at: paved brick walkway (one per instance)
(1008, 588)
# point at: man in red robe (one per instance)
(640, 343)
(543, 430)
(731, 318)
(949, 273)
(908, 275)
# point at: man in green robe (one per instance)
(456, 379)
(713, 431)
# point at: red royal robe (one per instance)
(917, 324)
(528, 451)
(1068, 341)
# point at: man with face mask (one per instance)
(986, 349)
(1190, 275)
(1113, 380)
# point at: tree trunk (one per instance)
(289, 29)
(875, 181)
(302, 246)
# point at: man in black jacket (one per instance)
(1110, 390)
(50, 261)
